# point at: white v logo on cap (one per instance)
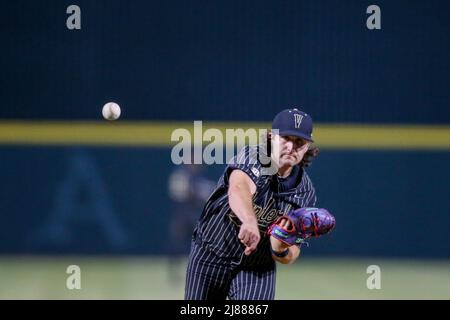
(298, 120)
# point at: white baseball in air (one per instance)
(111, 111)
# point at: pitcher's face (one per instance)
(288, 150)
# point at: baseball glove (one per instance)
(301, 224)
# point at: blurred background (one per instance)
(105, 196)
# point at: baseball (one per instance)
(111, 111)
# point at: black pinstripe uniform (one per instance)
(217, 266)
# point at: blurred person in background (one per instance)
(188, 188)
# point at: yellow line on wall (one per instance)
(158, 134)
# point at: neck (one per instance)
(285, 171)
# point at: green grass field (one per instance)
(148, 278)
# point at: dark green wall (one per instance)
(210, 60)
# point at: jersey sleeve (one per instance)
(311, 199)
(247, 161)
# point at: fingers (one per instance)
(244, 236)
(251, 247)
(249, 250)
(284, 223)
(249, 237)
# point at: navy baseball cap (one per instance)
(293, 122)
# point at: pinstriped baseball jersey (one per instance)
(217, 250)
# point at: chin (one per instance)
(288, 162)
